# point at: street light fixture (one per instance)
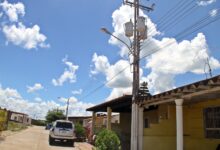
(104, 30)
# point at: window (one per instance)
(146, 123)
(212, 122)
(64, 125)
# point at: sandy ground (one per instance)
(34, 138)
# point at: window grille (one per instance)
(212, 122)
(146, 123)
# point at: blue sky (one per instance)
(52, 50)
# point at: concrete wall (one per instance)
(162, 135)
(123, 129)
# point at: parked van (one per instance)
(62, 130)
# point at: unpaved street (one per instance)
(36, 138)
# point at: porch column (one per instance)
(140, 128)
(93, 122)
(179, 124)
(109, 117)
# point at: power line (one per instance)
(102, 85)
(180, 35)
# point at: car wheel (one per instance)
(71, 142)
(51, 140)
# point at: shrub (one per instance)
(14, 126)
(79, 130)
(107, 140)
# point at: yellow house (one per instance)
(185, 118)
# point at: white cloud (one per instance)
(69, 74)
(16, 32)
(101, 64)
(121, 16)
(205, 2)
(118, 92)
(27, 38)
(13, 10)
(176, 59)
(11, 99)
(77, 92)
(213, 12)
(38, 99)
(35, 87)
(119, 81)
(71, 100)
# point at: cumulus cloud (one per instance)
(177, 58)
(213, 12)
(16, 32)
(121, 16)
(77, 92)
(205, 2)
(119, 81)
(101, 64)
(69, 74)
(35, 87)
(25, 37)
(13, 10)
(117, 92)
(11, 99)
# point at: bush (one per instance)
(14, 126)
(79, 130)
(107, 140)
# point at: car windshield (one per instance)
(64, 125)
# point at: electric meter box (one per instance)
(141, 24)
(143, 35)
(129, 29)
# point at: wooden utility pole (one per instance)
(137, 113)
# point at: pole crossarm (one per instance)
(146, 8)
(109, 33)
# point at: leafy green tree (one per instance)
(55, 114)
(107, 140)
(79, 130)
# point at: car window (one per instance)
(64, 125)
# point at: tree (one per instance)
(107, 140)
(55, 114)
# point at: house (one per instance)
(186, 117)
(19, 117)
(79, 119)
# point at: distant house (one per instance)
(19, 117)
(78, 119)
(187, 117)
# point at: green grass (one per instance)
(14, 126)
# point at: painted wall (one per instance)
(162, 135)
(3, 119)
(123, 129)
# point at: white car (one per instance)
(62, 130)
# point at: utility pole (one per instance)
(137, 113)
(139, 32)
(67, 107)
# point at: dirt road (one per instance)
(36, 138)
